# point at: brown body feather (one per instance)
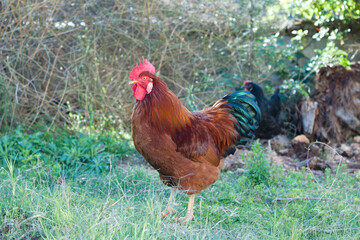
(184, 147)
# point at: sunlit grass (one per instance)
(127, 203)
(43, 196)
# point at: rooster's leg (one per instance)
(190, 212)
(169, 209)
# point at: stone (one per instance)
(300, 139)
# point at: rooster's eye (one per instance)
(144, 78)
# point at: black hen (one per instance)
(270, 125)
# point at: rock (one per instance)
(355, 147)
(282, 160)
(317, 173)
(330, 152)
(300, 144)
(356, 158)
(357, 139)
(338, 158)
(284, 151)
(300, 138)
(353, 165)
(280, 142)
(232, 166)
(235, 161)
(314, 163)
(345, 150)
(300, 147)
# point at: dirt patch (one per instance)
(300, 152)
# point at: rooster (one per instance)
(186, 147)
(270, 125)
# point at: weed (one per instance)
(257, 166)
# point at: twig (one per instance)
(167, 44)
(28, 219)
(304, 198)
(251, 48)
(332, 230)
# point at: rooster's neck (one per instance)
(162, 109)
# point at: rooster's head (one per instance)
(248, 85)
(142, 83)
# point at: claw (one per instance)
(169, 209)
(167, 212)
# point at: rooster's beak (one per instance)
(133, 82)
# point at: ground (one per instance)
(127, 201)
(297, 153)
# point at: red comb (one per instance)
(247, 81)
(145, 66)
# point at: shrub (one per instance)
(88, 152)
(257, 166)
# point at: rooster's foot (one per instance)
(168, 211)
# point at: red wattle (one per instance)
(139, 92)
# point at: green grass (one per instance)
(43, 196)
(126, 203)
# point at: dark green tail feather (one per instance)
(245, 110)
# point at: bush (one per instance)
(91, 153)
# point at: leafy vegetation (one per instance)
(328, 10)
(257, 166)
(80, 152)
(57, 201)
(326, 22)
